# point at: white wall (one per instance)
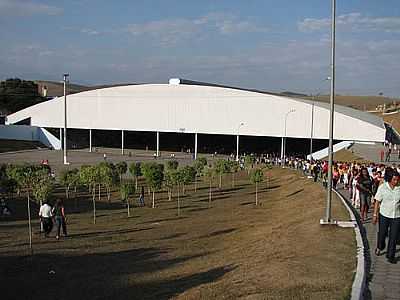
(29, 133)
(199, 109)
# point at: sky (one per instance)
(275, 45)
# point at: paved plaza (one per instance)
(77, 158)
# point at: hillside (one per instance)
(55, 88)
(16, 94)
(365, 103)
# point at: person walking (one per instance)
(45, 215)
(141, 197)
(364, 186)
(387, 205)
(389, 151)
(59, 216)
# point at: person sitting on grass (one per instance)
(45, 216)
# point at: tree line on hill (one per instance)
(17, 94)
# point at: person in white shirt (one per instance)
(46, 217)
(387, 204)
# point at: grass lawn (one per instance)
(232, 250)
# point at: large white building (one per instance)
(198, 108)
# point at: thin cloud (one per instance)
(21, 8)
(353, 22)
(89, 31)
(172, 31)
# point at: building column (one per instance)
(90, 140)
(61, 140)
(158, 144)
(195, 146)
(122, 142)
(237, 148)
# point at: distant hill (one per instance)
(292, 94)
(365, 103)
(56, 89)
(16, 94)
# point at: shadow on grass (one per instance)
(197, 209)
(214, 198)
(294, 193)
(110, 232)
(218, 232)
(246, 203)
(167, 289)
(172, 236)
(161, 220)
(119, 274)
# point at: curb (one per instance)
(360, 279)
(23, 151)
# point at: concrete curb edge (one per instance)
(360, 279)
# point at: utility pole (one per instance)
(328, 213)
(65, 119)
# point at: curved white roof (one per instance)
(201, 109)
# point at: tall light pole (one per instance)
(237, 141)
(328, 214)
(284, 136)
(312, 129)
(65, 119)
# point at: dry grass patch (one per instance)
(233, 250)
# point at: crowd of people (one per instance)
(371, 187)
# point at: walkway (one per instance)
(372, 153)
(384, 278)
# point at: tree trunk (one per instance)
(154, 204)
(149, 192)
(41, 223)
(233, 180)
(67, 192)
(183, 189)
(169, 194)
(94, 206)
(129, 212)
(30, 225)
(109, 194)
(195, 185)
(179, 204)
(209, 195)
(256, 193)
(99, 192)
(220, 181)
(136, 182)
(76, 202)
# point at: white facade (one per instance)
(29, 133)
(201, 109)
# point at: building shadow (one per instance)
(101, 275)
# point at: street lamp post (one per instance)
(237, 141)
(328, 213)
(284, 137)
(312, 130)
(65, 119)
